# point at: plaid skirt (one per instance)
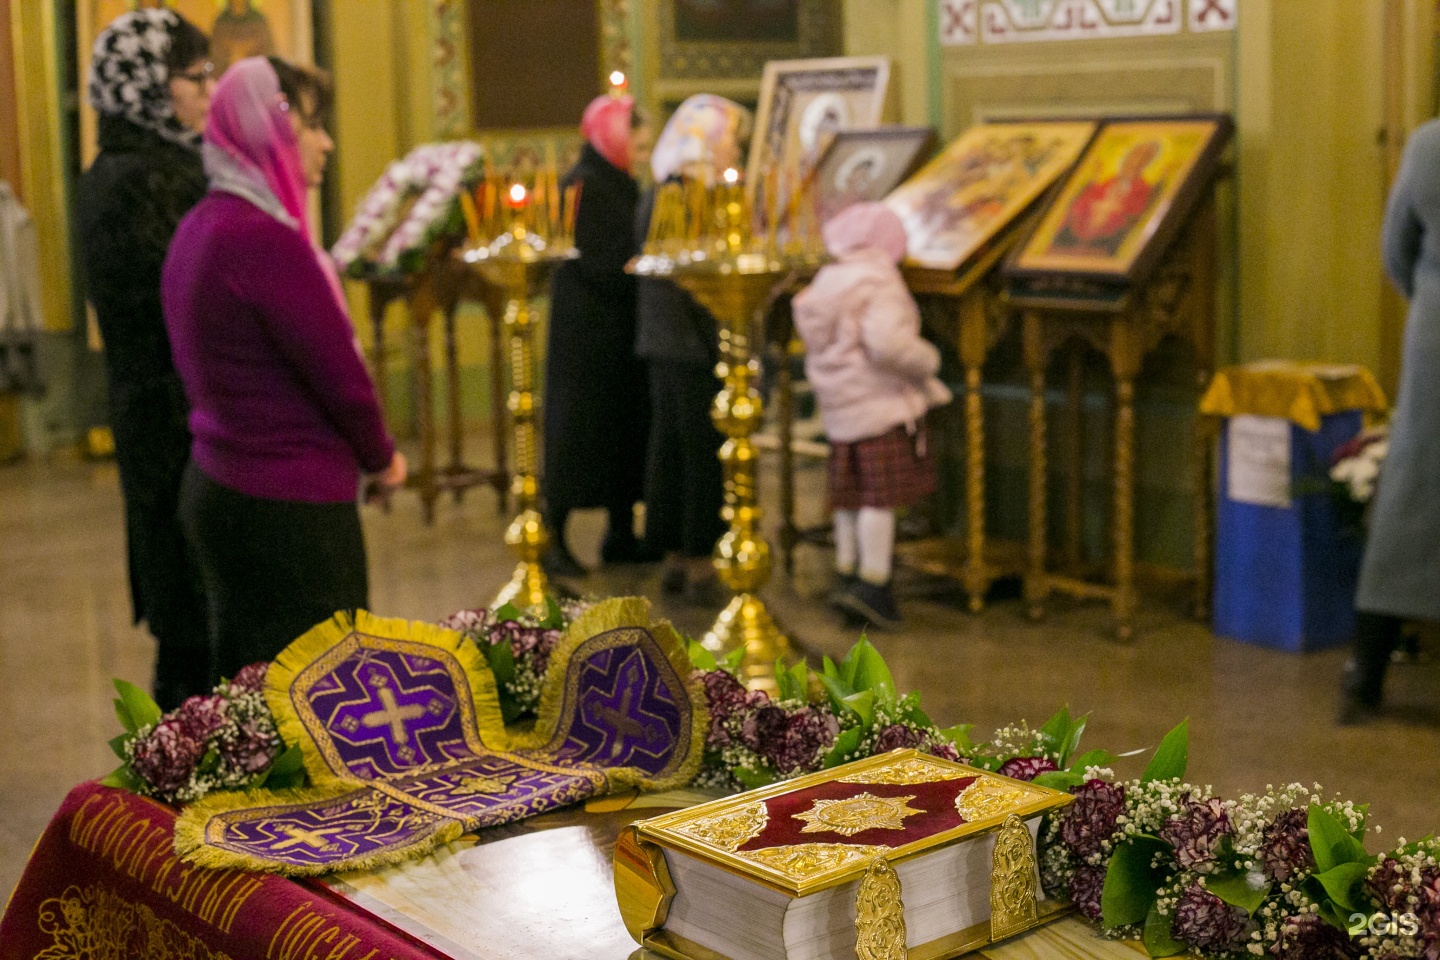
(895, 469)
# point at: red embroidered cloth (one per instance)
(104, 881)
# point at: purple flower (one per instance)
(798, 746)
(943, 750)
(761, 726)
(1026, 768)
(1307, 937)
(166, 756)
(253, 747)
(1207, 923)
(898, 736)
(1090, 820)
(1086, 886)
(250, 679)
(1197, 830)
(726, 698)
(472, 622)
(1285, 847)
(199, 717)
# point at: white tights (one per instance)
(865, 543)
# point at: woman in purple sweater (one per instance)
(284, 417)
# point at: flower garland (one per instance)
(413, 204)
(1283, 874)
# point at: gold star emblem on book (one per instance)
(856, 814)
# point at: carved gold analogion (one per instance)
(879, 914)
(856, 814)
(906, 773)
(729, 830)
(990, 797)
(1013, 881)
(802, 861)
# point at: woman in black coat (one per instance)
(150, 82)
(597, 408)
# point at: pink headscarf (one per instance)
(250, 121)
(863, 226)
(251, 150)
(606, 125)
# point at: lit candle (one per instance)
(472, 217)
(572, 206)
(618, 83)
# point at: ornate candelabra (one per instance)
(515, 242)
(705, 239)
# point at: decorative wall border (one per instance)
(970, 22)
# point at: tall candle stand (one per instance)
(536, 231)
(706, 240)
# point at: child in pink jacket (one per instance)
(874, 378)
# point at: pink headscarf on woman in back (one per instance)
(251, 150)
(606, 125)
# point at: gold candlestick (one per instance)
(732, 273)
(519, 262)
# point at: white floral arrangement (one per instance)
(414, 203)
(1356, 465)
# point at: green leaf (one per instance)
(1072, 740)
(700, 658)
(1331, 843)
(991, 764)
(828, 668)
(554, 616)
(502, 661)
(910, 711)
(871, 672)
(1171, 757)
(1092, 758)
(1359, 832)
(863, 706)
(1329, 912)
(800, 673)
(209, 761)
(1052, 735)
(287, 770)
(117, 744)
(731, 661)
(754, 779)
(507, 612)
(1130, 883)
(848, 742)
(123, 778)
(143, 711)
(1157, 937)
(1062, 780)
(789, 687)
(849, 664)
(1413, 847)
(837, 690)
(1244, 890)
(123, 715)
(1343, 885)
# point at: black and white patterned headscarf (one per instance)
(128, 75)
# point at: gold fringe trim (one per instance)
(615, 614)
(295, 659)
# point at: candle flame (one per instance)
(617, 79)
(517, 194)
(732, 175)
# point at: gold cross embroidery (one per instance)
(311, 838)
(392, 715)
(484, 784)
(621, 721)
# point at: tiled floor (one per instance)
(1257, 717)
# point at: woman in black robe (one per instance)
(150, 82)
(597, 412)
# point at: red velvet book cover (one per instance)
(819, 830)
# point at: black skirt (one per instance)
(272, 568)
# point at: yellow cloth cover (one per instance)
(1299, 392)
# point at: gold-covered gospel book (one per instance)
(902, 856)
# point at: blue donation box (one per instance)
(1286, 560)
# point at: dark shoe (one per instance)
(873, 602)
(625, 551)
(672, 579)
(709, 593)
(558, 561)
(1359, 701)
(835, 596)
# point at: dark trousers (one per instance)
(684, 479)
(272, 568)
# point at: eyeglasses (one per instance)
(199, 75)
